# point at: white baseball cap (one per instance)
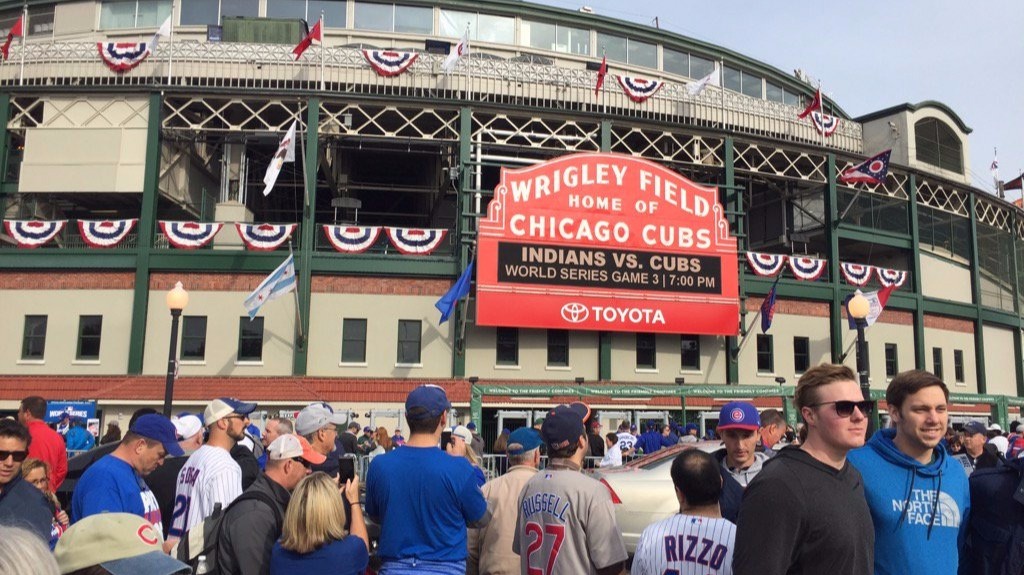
(463, 432)
(290, 446)
(187, 426)
(995, 427)
(225, 406)
(316, 416)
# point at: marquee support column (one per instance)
(732, 358)
(604, 339)
(979, 323)
(920, 357)
(462, 260)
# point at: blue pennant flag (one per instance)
(768, 308)
(446, 305)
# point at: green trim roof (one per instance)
(908, 107)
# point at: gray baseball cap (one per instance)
(315, 417)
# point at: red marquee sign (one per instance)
(606, 242)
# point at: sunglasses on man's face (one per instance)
(18, 456)
(304, 463)
(845, 408)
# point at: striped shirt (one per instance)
(687, 545)
(210, 476)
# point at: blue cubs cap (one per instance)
(563, 425)
(974, 427)
(158, 428)
(471, 426)
(522, 440)
(425, 402)
(739, 415)
(693, 427)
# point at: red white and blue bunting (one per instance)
(352, 239)
(766, 265)
(824, 123)
(105, 233)
(33, 233)
(888, 277)
(808, 269)
(856, 274)
(123, 56)
(639, 89)
(416, 241)
(189, 235)
(264, 237)
(389, 63)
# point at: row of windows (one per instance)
(389, 17)
(892, 366)
(90, 332)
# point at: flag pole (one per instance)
(469, 62)
(322, 48)
(170, 50)
(24, 37)
(604, 93)
(302, 152)
(298, 308)
(721, 88)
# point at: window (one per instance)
(483, 27)
(199, 12)
(689, 352)
(892, 365)
(134, 13)
(558, 348)
(507, 346)
(937, 362)
(556, 37)
(392, 18)
(40, 20)
(619, 49)
(801, 354)
(765, 354)
(646, 356)
(744, 82)
(938, 145)
(250, 339)
(958, 365)
(409, 333)
(90, 328)
(33, 343)
(193, 337)
(308, 10)
(244, 8)
(353, 340)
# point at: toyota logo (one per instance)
(575, 312)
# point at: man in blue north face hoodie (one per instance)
(918, 494)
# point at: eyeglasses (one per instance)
(304, 463)
(18, 456)
(845, 408)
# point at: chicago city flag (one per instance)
(278, 283)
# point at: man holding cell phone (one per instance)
(423, 498)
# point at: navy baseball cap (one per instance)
(471, 426)
(739, 415)
(563, 425)
(158, 428)
(522, 440)
(428, 401)
(974, 427)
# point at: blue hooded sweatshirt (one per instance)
(901, 493)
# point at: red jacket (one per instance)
(49, 446)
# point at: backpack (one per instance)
(202, 541)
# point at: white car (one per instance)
(642, 489)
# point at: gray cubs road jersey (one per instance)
(566, 525)
(685, 545)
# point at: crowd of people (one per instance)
(206, 493)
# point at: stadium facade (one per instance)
(187, 133)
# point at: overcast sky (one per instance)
(874, 54)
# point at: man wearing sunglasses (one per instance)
(805, 512)
(251, 525)
(918, 494)
(21, 504)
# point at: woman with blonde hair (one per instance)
(313, 537)
(461, 439)
(37, 472)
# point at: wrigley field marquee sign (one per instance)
(606, 242)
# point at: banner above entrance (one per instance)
(606, 242)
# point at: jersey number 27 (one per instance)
(557, 532)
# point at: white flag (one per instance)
(460, 50)
(712, 79)
(279, 282)
(285, 153)
(164, 31)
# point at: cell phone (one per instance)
(446, 439)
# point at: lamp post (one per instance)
(177, 299)
(858, 308)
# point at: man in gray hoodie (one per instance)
(739, 462)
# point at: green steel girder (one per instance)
(44, 259)
(979, 324)
(304, 264)
(920, 358)
(391, 265)
(847, 232)
(466, 164)
(835, 295)
(732, 359)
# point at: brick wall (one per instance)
(791, 307)
(948, 323)
(379, 285)
(70, 280)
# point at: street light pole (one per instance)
(859, 307)
(177, 299)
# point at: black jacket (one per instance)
(250, 529)
(994, 544)
(732, 491)
(22, 505)
(163, 482)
